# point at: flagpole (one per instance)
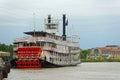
(34, 25)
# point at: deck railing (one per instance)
(29, 39)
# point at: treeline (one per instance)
(6, 48)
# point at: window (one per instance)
(96, 51)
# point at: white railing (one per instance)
(46, 39)
(75, 51)
(23, 39)
(47, 48)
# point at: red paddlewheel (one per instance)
(28, 64)
(28, 53)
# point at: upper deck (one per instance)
(45, 37)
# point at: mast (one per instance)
(34, 23)
(34, 26)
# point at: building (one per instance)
(107, 52)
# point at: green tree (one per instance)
(6, 48)
(84, 54)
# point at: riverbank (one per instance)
(100, 60)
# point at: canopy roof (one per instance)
(4, 53)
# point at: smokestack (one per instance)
(64, 28)
(49, 18)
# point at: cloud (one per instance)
(25, 8)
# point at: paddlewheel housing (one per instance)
(28, 57)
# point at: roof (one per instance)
(106, 49)
(36, 33)
(40, 33)
(103, 48)
(4, 53)
(112, 46)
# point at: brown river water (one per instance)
(84, 71)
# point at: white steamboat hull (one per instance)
(59, 59)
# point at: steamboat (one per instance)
(46, 48)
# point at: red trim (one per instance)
(109, 49)
(29, 49)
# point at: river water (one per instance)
(84, 71)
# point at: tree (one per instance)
(6, 48)
(84, 54)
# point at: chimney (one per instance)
(64, 28)
(49, 18)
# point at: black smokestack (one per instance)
(64, 28)
(49, 18)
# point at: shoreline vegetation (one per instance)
(100, 60)
(83, 54)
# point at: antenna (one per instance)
(34, 22)
(71, 31)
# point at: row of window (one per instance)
(63, 57)
(52, 45)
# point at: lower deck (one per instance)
(37, 57)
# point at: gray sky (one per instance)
(95, 21)
(74, 8)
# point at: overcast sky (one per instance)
(97, 22)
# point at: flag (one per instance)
(66, 22)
